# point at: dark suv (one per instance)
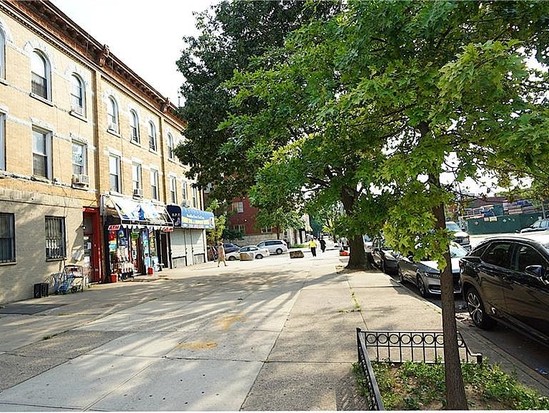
(507, 279)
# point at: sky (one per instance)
(145, 34)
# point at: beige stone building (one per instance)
(87, 168)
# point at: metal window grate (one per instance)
(7, 238)
(55, 238)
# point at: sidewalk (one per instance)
(272, 334)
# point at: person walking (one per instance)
(322, 244)
(312, 246)
(221, 254)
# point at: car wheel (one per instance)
(421, 286)
(278, 251)
(476, 309)
(232, 258)
(258, 256)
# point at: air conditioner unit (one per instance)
(81, 179)
(138, 193)
(184, 203)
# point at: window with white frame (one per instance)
(134, 127)
(171, 147)
(196, 200)
(240, 228)
(173, 189)
(41, 153)
(115, 183)
(238, 206)
(112, 115)
(184, 193)
(152, 137)
(77, 95)
(2, 141)
(154, 184)
(79, 158)
(266, 230)
(137, 176)
(55, 238)
(40, 75)
(2, 55)
(7, 238)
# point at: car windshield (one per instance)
(457, 251)
(452, 226)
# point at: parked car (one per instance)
(539, 225)
(259, 253)
(506, 279)
(425, 274)
(230, 247)
(275, 246)
(460, 236)
(384, 257)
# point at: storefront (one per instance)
(188, 240)
(137, 237)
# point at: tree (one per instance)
(231, 34)
(376, 106)
(279, 219)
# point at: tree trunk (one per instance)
(455, 390)
(357, 255)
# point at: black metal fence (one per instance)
(398, 347)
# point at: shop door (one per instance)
(92, 245)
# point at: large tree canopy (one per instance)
(377, 105)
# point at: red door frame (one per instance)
(96, 250)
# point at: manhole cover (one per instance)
(18, 308)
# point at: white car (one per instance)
(275, 246)
(259, 253)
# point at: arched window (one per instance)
(112, 115)
(40, 76)
(171, 146)
(2, 55)
(152, 137)
(77, 95)
(134, 126)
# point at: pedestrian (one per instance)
(312, 246)
(322, 244)
(221, 254)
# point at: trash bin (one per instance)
(41, 290)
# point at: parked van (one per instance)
(275, 246)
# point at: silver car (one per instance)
(425, 273)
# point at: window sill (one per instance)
(153, 151)
(41, 99)
(41, 179)
(3, 264)
(3, 81)
(55, 259)
(78, 115)
(135, 143)
(114, 132)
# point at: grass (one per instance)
(420, 386)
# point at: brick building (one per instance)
(87, 167)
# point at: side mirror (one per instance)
(536, 270)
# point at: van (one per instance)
(275, 246)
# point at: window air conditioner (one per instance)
(138, 193)
(81, 180)
(184, 203)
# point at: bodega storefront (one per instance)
(137, 236)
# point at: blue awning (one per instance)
(191, 217)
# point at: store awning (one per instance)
(142, 214)
(191, 217)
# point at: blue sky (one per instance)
(145, 35)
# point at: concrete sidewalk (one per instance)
(272, 334)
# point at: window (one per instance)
(196, 201)
(77, 95)
(154, 184)
(2, 141)
(498, 254)
(238, 206)
(184, 194)
(173, 189)
(152, 137)
(41, 149)
(79, 158)
(40, 75)
(266, 230)
(114, 173)
(171, 147)
(239, 228)
(7, 238)
(137, 176)
(134, 126)
(55, 238)
(2, 55)
(112, 115)
(527, 256)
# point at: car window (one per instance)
(452, 226)
(457, 251)
(498, 254)
(526, 256)
(544, 223)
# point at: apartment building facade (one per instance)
(87, 167)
